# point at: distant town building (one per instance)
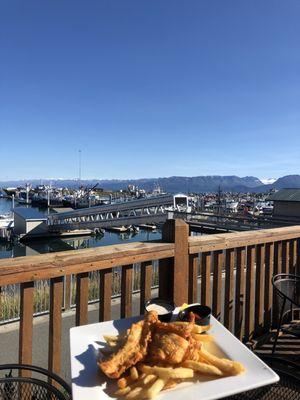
(286, 203)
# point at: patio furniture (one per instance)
(288, 388)
(43, 385)
(287, 288)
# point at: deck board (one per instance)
(288, 348)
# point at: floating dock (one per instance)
(119, 229)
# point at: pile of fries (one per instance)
(146, 381)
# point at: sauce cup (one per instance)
(163, 307)
(202, 314)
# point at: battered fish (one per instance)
(133, 351)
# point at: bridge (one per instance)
(132, 212)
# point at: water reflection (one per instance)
(83, 242)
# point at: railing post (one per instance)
(105, 295)
(269, 256)
(67, 289)
(1, 305)
(297, 261)
(276, 270)
(126, 291)
(239, 291)
(55, 324)
(146, 279)
(174, 274)
(206, 261)
(217, 283)
(193, 277)
(229, 289)
(26, 324)
(82, 298)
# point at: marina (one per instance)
(131, 215)
(50, 244)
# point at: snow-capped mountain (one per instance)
(268, 181)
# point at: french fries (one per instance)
(202, 337)
(122, 392)
(115, 341)
(111, 338)
(167, 373)
(134, 393)
(171, 383)
(228, 366)
(149, 379)
(155, 388)
(203, 368)
(123, 382)
(145, 381)
(134, 374)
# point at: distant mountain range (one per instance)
(174, 184)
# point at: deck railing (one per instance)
(230, 272)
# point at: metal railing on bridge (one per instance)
(141, 211)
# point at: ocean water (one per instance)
(5, 205)
(74, 243)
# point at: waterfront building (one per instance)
(286, 203)
(29, 221)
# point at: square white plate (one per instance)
(88, 383)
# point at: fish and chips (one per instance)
(153, 356)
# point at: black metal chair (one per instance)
(287, 288)
(46, 386)
(288, 388)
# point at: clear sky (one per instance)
(149, 88)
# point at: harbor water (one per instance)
(49, 245)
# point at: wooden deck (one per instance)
(287, 349)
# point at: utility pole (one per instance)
(27, 193)
(79, 153)
(219, 199)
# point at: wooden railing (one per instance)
(230, 272)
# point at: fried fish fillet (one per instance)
(133, 351)
(173, 343)
(167, 347)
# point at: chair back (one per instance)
(43, 385)
(287, 286)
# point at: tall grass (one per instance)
(10, 294)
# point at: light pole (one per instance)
(79, 151)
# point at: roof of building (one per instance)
(286, 195)
(62, 209)
(29, 213)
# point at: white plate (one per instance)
(88, 383)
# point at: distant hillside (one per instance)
(289, 181)
(175, 184)
(172, 184)
(286, 182)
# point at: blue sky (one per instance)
(149, 88)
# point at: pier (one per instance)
(150, 210)
(206, 222)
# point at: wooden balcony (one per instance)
(230, 272)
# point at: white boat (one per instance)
(151, 227)
(6, 225)
(119, 229)
(6, 220)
